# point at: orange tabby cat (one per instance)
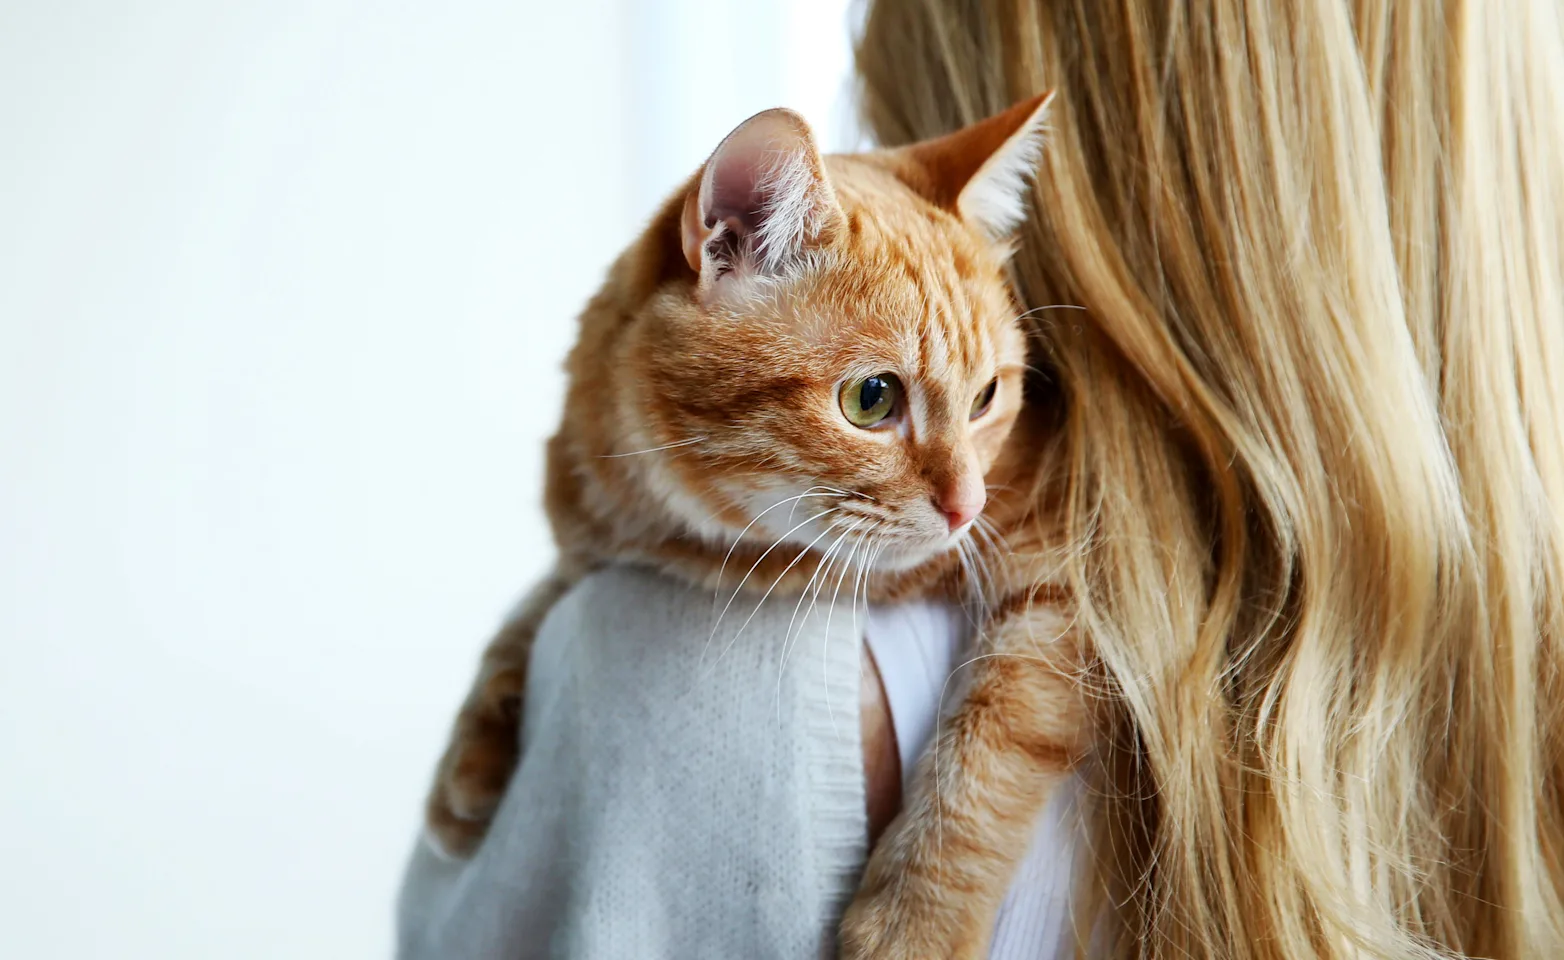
(830, 338)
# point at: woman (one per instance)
(1316, 443)
(1315, 436)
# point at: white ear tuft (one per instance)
(788, 212)
(763, 198)
(994, 200)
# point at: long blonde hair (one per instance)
(1313, 416)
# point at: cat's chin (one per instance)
(900, 559)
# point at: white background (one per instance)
(284, 287)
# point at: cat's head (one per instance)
(844, 360)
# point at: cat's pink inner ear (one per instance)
(984, 172)
(763, 199)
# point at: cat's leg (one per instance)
(937, 877)
(485, 741)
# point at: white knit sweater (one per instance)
(668, 805)
(683, 800)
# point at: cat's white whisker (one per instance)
(810, 492)
(845, 561)
(981, 552)
(716, 589)
(868, 572)
(965, 561)
(860, 580)
(825, 644)
(761, 559)
(763, 597)
(964, 557)
(996, 558)
(995, 542)
(986, 527)
(816, 582)
(1049, 306)
(877, 546)
(818, 577)
(982, 578)
(849, 493)
(637, 453)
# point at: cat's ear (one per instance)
(984, 172)
(762, 201)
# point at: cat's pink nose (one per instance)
(961, 503)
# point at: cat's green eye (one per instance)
(870, 401)
(985, 397)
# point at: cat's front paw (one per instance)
(901, 914)
(477, 767)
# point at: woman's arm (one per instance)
(881, 762)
